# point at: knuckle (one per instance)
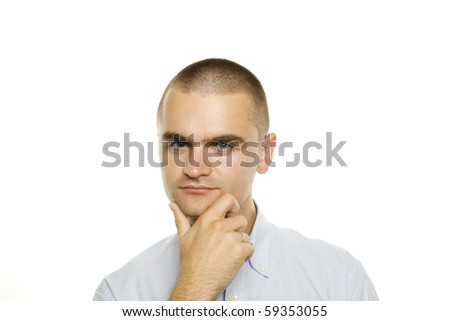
(229, 238)
(236, 250)
(244, 221)
(217, 226)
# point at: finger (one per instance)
(225, 205)
(181, 221)
(241, 237)
(235, 223)
(249, 249)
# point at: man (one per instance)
(213, 127)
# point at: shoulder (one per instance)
(324, 263)
(313, 248)
(158, 250)
(148, 276)
(318, 254)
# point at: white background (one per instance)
(76, 75)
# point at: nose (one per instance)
(196, 165)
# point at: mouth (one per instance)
(197, 190)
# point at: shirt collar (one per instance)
(260, 239)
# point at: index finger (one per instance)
(225, 205)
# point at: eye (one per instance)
(178, 145)
(224, 146)
(221, 147)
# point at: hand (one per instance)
(211, 251)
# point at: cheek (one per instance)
(237, 179)
(249, 156)
(169, 175)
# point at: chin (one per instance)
(194, 205)
(193, 209)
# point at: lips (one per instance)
(197, 189)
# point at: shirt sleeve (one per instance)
(104, 293)
(359, 285)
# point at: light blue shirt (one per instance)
(285, 266)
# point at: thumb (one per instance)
(181, 221)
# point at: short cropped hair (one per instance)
(222, 76)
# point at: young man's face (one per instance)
(197, 131)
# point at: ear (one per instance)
(269, 144)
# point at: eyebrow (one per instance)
(169, 136)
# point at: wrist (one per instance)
(191, 290)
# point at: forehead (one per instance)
(207, 116)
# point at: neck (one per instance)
(249, 211)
